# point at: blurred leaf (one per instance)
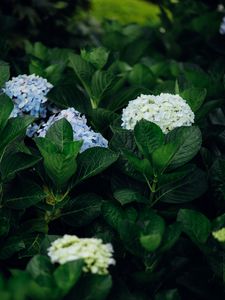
(6, 107)
(96, 56)
(11, 246)
(67, 275)
(194, 97)
(4, 73)
(93, 287)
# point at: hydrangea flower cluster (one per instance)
(96, 255)
(219, 235)
(28, 93)
(222, 26)
(168, 111)
(81, 131)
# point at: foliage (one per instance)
(157, 198)
(131, 11)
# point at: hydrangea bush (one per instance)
(112, 164)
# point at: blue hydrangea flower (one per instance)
(222, 26)
(28, 93)
(81, 131)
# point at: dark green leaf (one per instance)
(93, 161)
(194, 97)
(12, 164)
(125, 196)
(151, 236)
(6, 107)
(148, 137)
(67, 275)
(82, 210)
(24, 194)
(4, 73)
(188, 141)
(194, 224)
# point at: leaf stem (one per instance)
(153, 189)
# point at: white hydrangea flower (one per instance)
(96, 255)
(219, 235)
(81, 131)
(168, 111)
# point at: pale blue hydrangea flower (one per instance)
(81, 131)
(28, 93)
(222, 26)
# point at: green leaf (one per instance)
(60, 133)
(15, 127)
(168, 295)
(93, 287)
(188, 141)
(83, 70)
(208, 107)
(113, 214)
(82, 210)
(68, 95)
(11, 246)
(32, 245)
(5, 218)
(34, 225)
(101, 81)
(194, 224)
(171, 235)
(184, 190)
(67, 275)
(93, 161)
(12, 164)
(59, 152)
(4, 73)
(122, 141)
(148, 137)
(141, 75)
(194, 97)
(6, 107)
(39, 265)
(102, 118)
(23, 194)
(163, 156)
(97, 56)
(141, 165)
(151, 236)
(130, 235)
(123, 96)
(125, 196)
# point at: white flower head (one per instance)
(168, 111)
(97, 256)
